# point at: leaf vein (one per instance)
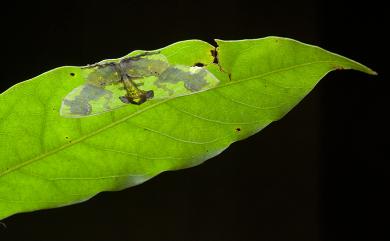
(93, 133)
(211, 120)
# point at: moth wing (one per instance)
(88, 100)
(101, 75)
(145, 65)
(179, 80)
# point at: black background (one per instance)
(318, 174)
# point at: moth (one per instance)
(133, 80)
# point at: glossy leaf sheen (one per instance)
(49, 161)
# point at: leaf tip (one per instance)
(358, 67)
(372, 72)
(364, 69)
(369, 71)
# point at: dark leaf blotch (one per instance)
(199, 65)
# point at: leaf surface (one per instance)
(48, 161)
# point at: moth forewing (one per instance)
(144, 66)
(88, 100)
(181, 80)
(102, 75)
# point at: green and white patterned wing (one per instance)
(179, 80)
(151, 71)
(144, 65)
(99, 94)
(88, 100)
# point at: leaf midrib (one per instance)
(25, 163)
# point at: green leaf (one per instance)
(48, 161)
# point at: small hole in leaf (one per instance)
(238, 129)
(199, 65)
(72, 74)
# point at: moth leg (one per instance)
(99, 65)
(146, 53)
